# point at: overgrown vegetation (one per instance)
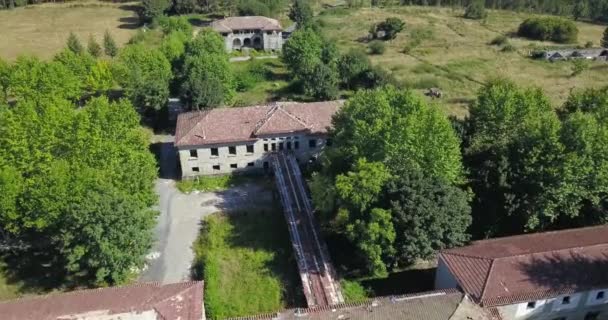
(245, 259)
(214, 183)
(549, 28)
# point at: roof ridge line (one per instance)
(267, 116)
(468, 256)
(554, 250)
(194, 126)
(485, 281)
(293, 116)
(540, 233)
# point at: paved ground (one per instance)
(180, 216)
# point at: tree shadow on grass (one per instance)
(33, 271)
(129, 23)
(403, 282)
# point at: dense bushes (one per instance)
(377, 47)
(549, 28)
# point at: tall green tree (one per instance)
(145, 76)
(93, 48)
(110, 48)
(32, 79)
(78, 186)
(301, 13)
(604, 41)
(74, 44)
(152, 9)
(392, 176)
(5, 80)
(208, 80)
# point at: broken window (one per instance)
(250, 164)
(214, 152)
(233, 165)
(232, 150)
(281, 146)
(273, 147)
(296, 145)
(195, 169)
(265, 146)
(312, 143)
(193, 153)
(216, 167)
(250, 148)
(288, 145)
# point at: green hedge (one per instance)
(549, 28)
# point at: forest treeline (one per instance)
(594, 10)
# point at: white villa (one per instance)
(254, 32)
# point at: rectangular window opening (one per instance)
(251, 164)
(232, 150)
(214, 152)
(566, 300)
(280, 146)
(216, 167)
(273, 146)
(249, 148)
(312, 143)
(288, 145)
(265, 146)
(196, 169)
(233, 166)
(193, 153)
(599, 295)
(296, 145)
(531, 305)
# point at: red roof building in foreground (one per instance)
(551, 275)
(226, 140)
(146, 301)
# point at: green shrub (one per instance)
(377, 47)
(353, 291)
(173, 24)
(555, 29)
(476, 10)
(253, 8)
(589, 44)
(508, 48)
(500, 40)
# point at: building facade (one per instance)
(233, 140)
(561, 275)
(252, 32)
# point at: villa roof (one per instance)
(531, 267)
(141, 301)
(231, 125)
(246, 23)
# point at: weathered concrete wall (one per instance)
(580, 305)
(245, 161)
(269, 41)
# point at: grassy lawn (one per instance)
(454, 53)
(246, 261)
(219, 182)
(273, 86)
(42, 30)
(7, 291)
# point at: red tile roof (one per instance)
(183, 301)
(531, 267)
(230, 125)
(246, 23)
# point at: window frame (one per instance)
(193, 153)
(230, 149)
(250, 146)
(217, 152)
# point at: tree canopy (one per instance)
(392, 156)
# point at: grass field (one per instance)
(42, 30)
(245, 259)
(217, 183)
(454, 53)
(273, 86)
(7, 291)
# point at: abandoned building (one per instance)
(435, 305)
(143, 301)
(253, 32)
(551, 275)
(600, 54)
(226, 140)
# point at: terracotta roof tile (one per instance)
(182, 301)
(231, 125)
(246, 23)
(531, 267)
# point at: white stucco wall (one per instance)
(580, 305)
